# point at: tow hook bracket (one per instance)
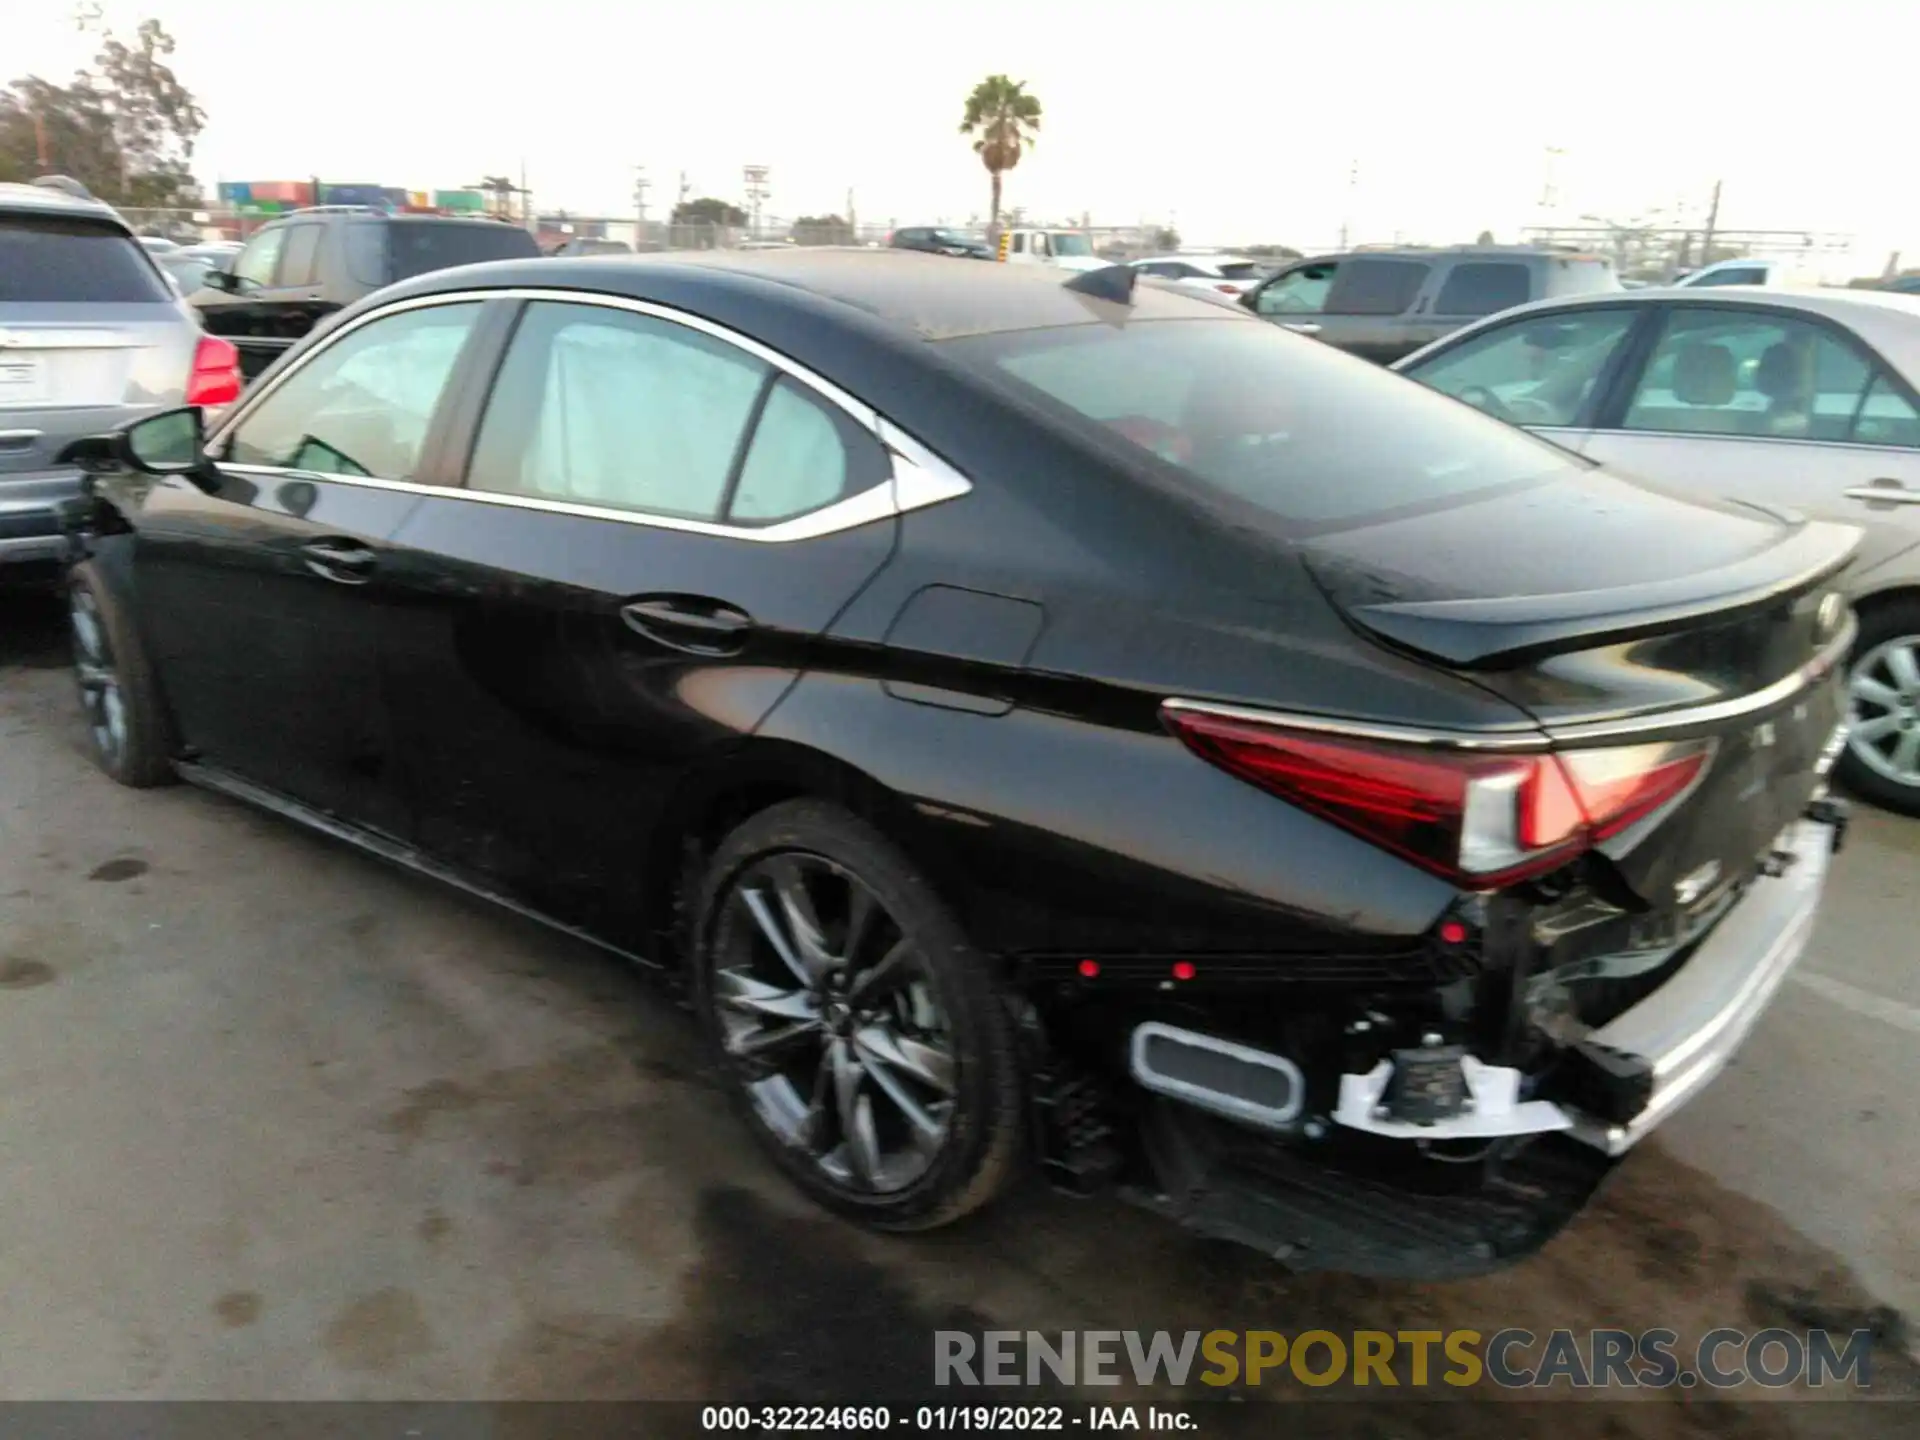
(1428, 1084)
(1487, 1105)
(1836, 814)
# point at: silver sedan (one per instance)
(1806, 400)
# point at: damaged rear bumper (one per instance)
(1218, 1175)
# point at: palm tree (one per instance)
(1005, 120)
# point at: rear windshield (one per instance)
(1239, 270)
(381, 252)
(54, 259)
(1308, 435)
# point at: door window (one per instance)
(256, 263)
(1483, 287)
(300, 256)
(1301, 291)
(364, 404)
(1376, 287)
(597, 406)
(1538, 371)
(1727, 371)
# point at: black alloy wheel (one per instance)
(862, 1036)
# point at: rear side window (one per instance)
(1483, 287)
(57, 260)
(416, 247)
(1578, 277)
(1306, 436)
(596, 406)
(1376, 287)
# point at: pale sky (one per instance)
(1241, 123)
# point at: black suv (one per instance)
(1383, 304)
(296, 271)
(936, 240)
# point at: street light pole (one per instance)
(640, 184)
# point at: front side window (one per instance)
(257, 262)
(364, 404)
(1887, 418)
(1376, 287)
(300, 257)
(1750, 373)
(1298, 292)
(1538, 371)
(597, 406)
(1306, 437)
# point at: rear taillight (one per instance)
(1228, 289)
(215, 379)
(1479, 820)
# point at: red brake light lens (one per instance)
(1478, 820)
(215, 379)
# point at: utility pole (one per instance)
(640, 184)
(1353, 186)
(853, 224)
(1713, 219)
(757, 191)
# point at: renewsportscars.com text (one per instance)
(1509, 1359)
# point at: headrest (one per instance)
(1704, 374)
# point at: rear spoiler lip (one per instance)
(1505, 630)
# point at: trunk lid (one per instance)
(1618, 616)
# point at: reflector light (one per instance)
(1183, 970)
(1090, 968)
(1453, 932)
(1479, 820)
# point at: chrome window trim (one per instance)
(918, 478)
(1546, 737)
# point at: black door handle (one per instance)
(342, 561)
(689, 622)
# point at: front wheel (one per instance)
(865, 1040)
(126, 723)
(1882, 758)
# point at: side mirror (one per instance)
(1251, 300)
(173, 442)
(170, 443)
(220, 280)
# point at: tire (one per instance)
(127, 730)
(1882, 760)
(934, 1003)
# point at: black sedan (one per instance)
(1039, 719)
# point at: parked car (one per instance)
(1384, 304)
(295, 272)
(1904, 285)
(938, 240)
(187, 266)
(1808, 400)
(1748, 271)
(90, 335)
(593, 245)
(1056, 249)
(1224, 274)
(1180, 755)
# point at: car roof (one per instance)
(915, 295)
(1885, 319)
(44, 200)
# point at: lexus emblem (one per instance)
(1833, 610)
